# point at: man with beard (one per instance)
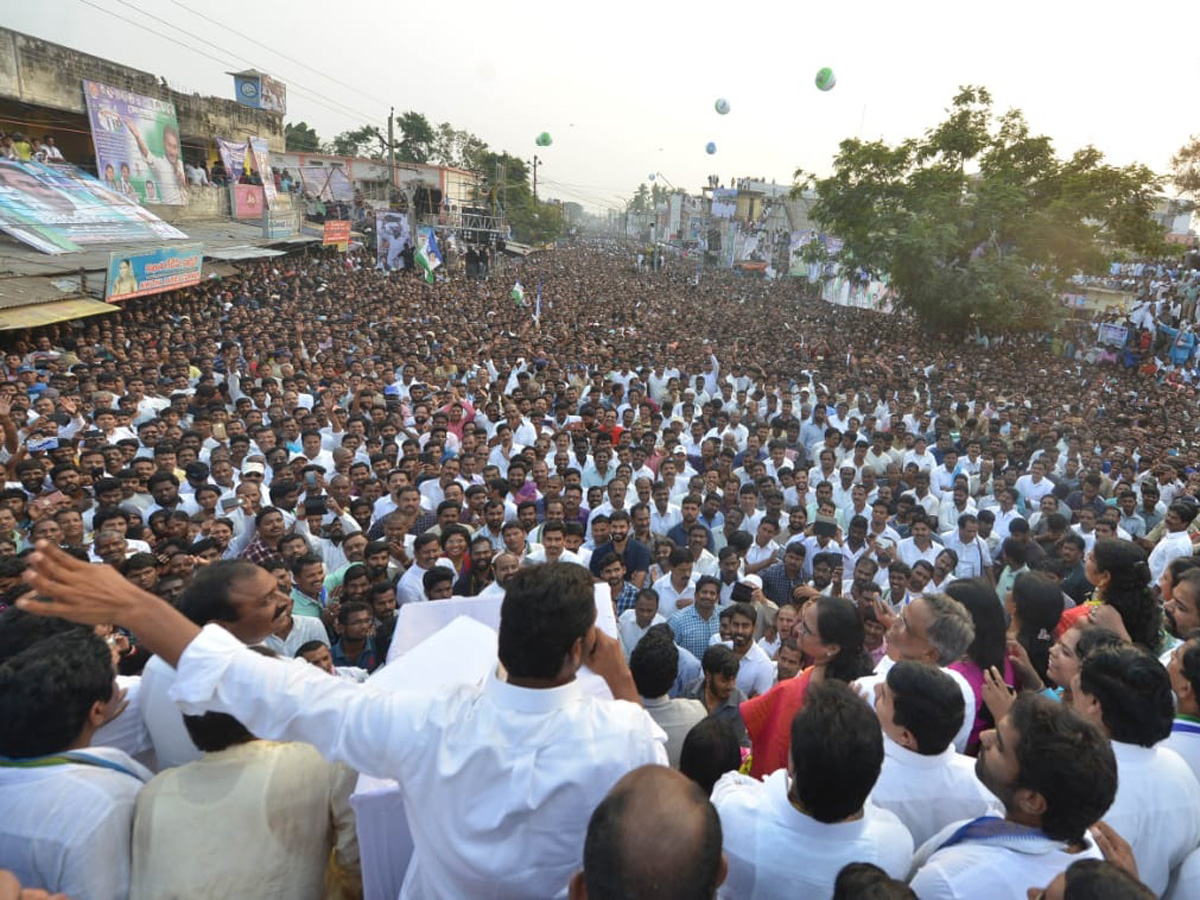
(756, 674)
(1055, 775)
(354, 546)
(717, 689)
(504, 567)
(242, 598)
(382, 600)
(479, 574)
(1181, 612)
(789, 661)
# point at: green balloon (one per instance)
(544, 139)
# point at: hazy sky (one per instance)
(627, 89)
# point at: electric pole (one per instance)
(392, 155)
(535, 165)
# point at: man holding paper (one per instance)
(498, 779)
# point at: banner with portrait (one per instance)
(233, 157)
(136, 138)
(152, 271)
(262, 164)
(392, 234)
(58, 208)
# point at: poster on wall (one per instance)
(337, 231)
(152, 271)
(58, 208)
(136, 138)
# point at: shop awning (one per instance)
(243, 251)
(54, 311)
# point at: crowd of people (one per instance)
(793, 599)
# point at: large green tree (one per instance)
(1185, 169)
(416, 137)
(367, 142)
(979, 221)
(299, 137)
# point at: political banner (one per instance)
(246, 200)
(260, 92)
(392, 235)
(262, 164)
(337, 231)
(137, 144)
(1112, 334)
(797, 241)
(724, 203)
(327, 182)
(55, 209)
(233, 157)
(152, 271)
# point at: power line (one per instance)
(223, 62)
(278, 53)
(301, 88)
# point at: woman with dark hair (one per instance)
(1123, 600)
(455, 540)
(987, 651)
(830, 634)
(1034, 606)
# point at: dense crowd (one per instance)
(793, 599)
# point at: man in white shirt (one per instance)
(677, 588)
(1126, 693)
(426, 554)
(242, 598)
(1056, 776)
(493, 776)
(68, 807)
(934, 629)
(756, 671)
(553, 547)
(633, 623)
(1034, 486)
(974, 560)
(790, 835)
(1176, 542)
(924, 781)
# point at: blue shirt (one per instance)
(692, 633)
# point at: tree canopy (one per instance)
(978, 220)
(300, 138)
(1185, 169)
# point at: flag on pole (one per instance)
(425, 256)
(518, 294)
(537, 308)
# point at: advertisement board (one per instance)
(58, 208)
(152, 271)
(138, 151)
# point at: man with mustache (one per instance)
(242, 598)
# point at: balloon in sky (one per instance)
(651, 176)
(721, 106)
(825, 79)
(710, 148)
(544, 139)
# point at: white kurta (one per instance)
(927, 793)
(775, 851)
(66, 828)
(970, 871)
(1157, 809)
(866, 687)
(1185, 740)
(498, 781)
